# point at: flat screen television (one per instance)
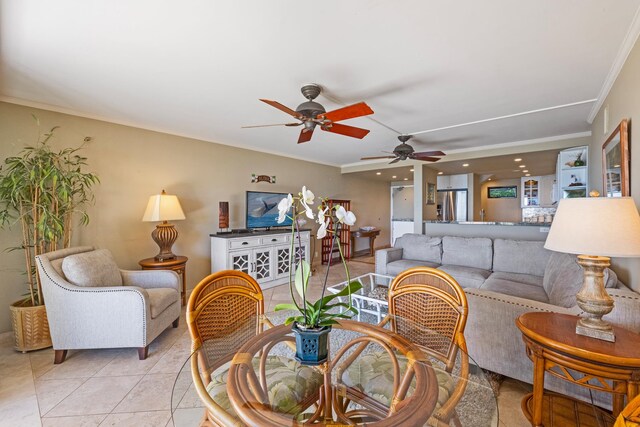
(262, 210)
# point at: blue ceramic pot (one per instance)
(311, 344)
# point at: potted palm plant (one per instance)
(313, 322)
(40, 190)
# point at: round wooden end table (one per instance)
(177, 264)
(555, 348)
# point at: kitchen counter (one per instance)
(526, 224)
(402, 219)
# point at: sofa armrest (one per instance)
(149, 279)
(626, 308)
(385, 256)
(493, 339)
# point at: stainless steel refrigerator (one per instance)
(452, 205)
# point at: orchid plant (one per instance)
(325, 311)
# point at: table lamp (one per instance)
(163, 207)
(595, 229)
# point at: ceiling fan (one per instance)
(310, 114)
(404, 151)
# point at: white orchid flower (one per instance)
(322, 231)
(283, 208)
(307, 196)
(321, 214)
(306, 200)
(344, 216)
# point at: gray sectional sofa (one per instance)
(502, 280)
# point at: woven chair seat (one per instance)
(373, 375)
(289, 384)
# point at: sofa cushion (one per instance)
(467, 277)
(94, 268)
(420, 247)
(515, 289)
(396, 267)
(563, 279)
(520, 256)
(160, 299)
(473, 252)
(527, 279)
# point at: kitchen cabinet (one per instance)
(530, 191)
(399, 229)
(452, 182)
(573, 173)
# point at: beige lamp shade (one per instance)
(163, 207)
(602, 226)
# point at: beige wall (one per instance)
(623, 102)
(134, 163)
(507, 210)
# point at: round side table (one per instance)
(554, 347)
(177, 264)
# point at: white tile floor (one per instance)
(113, 388)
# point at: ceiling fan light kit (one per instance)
(404, 151)
(312, 114)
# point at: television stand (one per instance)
(264, 255)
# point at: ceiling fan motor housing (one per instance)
(310, 109)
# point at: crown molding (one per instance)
(62, 110)
(623, 53)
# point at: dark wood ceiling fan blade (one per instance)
(378, 157)
(305, 136)
(283, 108)
(430, 153)
(349, 112)
(351, 131)
(276, 124)
(426, 158)
(394, 161)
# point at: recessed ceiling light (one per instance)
(465, 164)
(406, 179)
(410, 170)
(528, 174)
(525, 170)
(489, 179)
(522, 166)
(440, 173)
(394, 176)
(517, 160)
(378, 173)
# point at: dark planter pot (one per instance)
(311, 344)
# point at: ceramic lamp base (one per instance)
(164, 235)
(594, 299)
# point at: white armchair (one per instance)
(96, 305)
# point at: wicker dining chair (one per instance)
(224, 311)
(429, 308)
(630, 415)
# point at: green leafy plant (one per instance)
(325, 311)
(42, 189)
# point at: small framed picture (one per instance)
(431, 193)
(508, 192)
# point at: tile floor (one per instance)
(113, 388)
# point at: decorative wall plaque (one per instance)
(270, 179)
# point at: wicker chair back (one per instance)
(429, 308)
(224, 308)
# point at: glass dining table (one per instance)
(374, 376)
